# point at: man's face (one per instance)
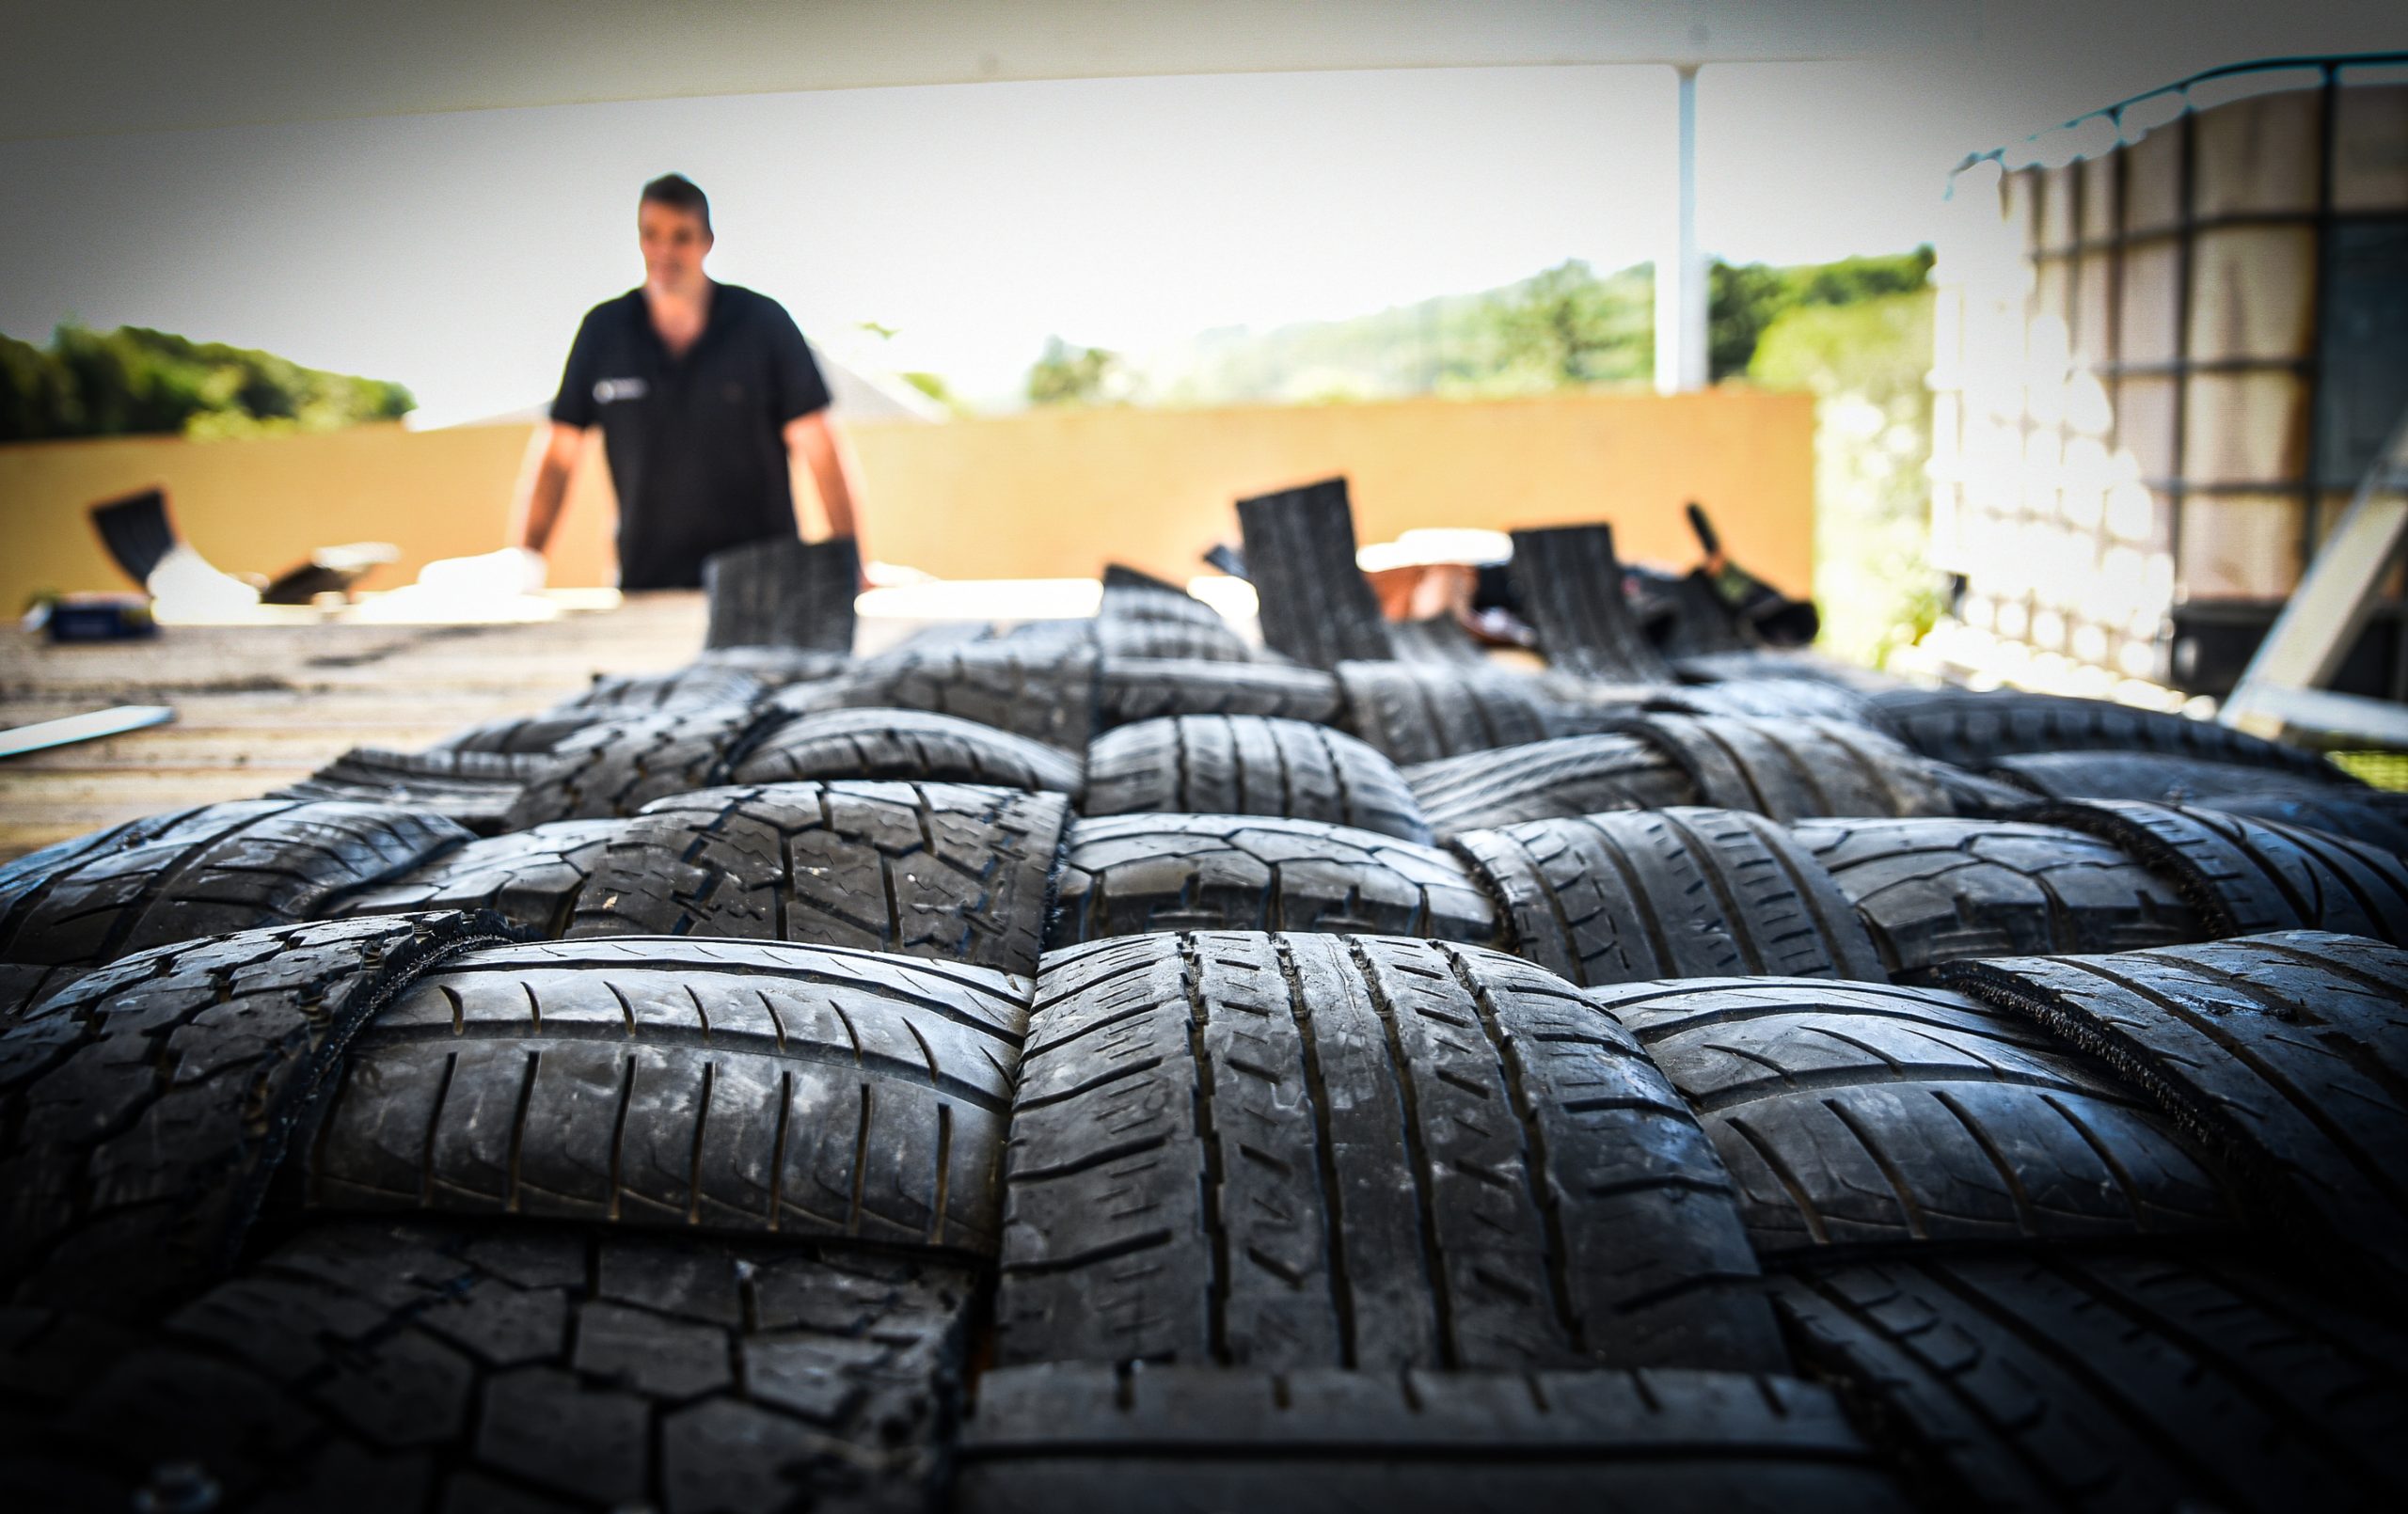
(675, 244)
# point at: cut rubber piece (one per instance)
(1148, 688)
(936, 870)
(370, 1366)
(784, 593)
(1174, 639)
(145, 1106)
(1049, 1438)
(2287, 1052)
(724, 1085)
(2245, 876)
(2157, 777)
(1971, 729)
(2075, 1381)
(1723, 667)
(1133, 595)
(1570, 776)
(1314, 603)
(479, 790)
(1134, 874)
(1569, 585)
(1853, 1117)
(1439, 638)
(1288, 1152)
(1794, 769)
(911, 745)
(1943, 891)
(1669, 893)
(1421, 711)
(2369, 816)
(1250, 764)
(694, 687)
(1777, 699)
(1039, 689)
(209, 871)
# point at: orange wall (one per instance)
(1041, 495)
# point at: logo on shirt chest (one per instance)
(607, 391)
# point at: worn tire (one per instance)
(1776, 699)
(1152, 689)
(784, 592)
(1942, 890)
(1059, 1440)
(145, 1106)
(1043, 689)
(2155, 776)
(653, 1082)
(1668, 894)
(911, 745)
(479, 790)
(1545, 780)
(697, 686)
(1288, 1152)
(2258, 1045)
(2246, 875)
(1422, 711)
(208, 871)
(368, 1364)
(1139, 874)
(1250, 764)
(1569, 585)
(1854, 1118)
(531, 878)
(1792, 769)
(2069, 1379)
(616, 770)
(1971, 730)
(1314, 603)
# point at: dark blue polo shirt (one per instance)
(697, 454)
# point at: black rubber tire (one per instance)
(1570, 776)
(1056, 1438)
(784, 592)
(1568, 584)
(1177, 640)
(1134, 594)
(685, 1084)
(2154, 776)
(370, 1366)
(1250, 764)
(145, 1106)
(2246, 875)
(1794, 769)
(1422, 711)
(2260, 1045)
(1288, 1152)
(531, 878)
(1668, 894)
(1971, 730)
(911, 745)
(23, 985)
(207, 871)
(2075, 1381)
(479, 790)
(1150, 688)
(1689, 619)
(1725, 667)
(1044, 689)
(1778, 699)
(1314, 603)
(616, 770)
(697, 686)
(1945, 890)
(1139, 874)
(2369, 816)
(529, 735)
(942, 871)
(1854, 1118)
(1439, 638)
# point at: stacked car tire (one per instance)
(1104, 1065)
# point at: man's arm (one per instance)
(817, 441)
(543, 485)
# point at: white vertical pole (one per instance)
(1680, 275)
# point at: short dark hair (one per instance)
(680, 193)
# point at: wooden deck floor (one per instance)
(260, 706)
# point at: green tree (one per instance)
(136, 382)
(1068, 375)
(1567, 327)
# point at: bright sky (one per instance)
(455, 252)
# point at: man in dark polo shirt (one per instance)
(703, 392)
